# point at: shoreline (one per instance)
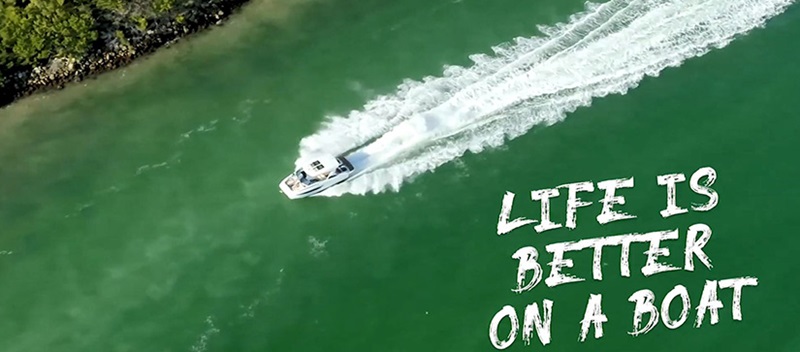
(60, 72)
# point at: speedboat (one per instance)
(316, 176)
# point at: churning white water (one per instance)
(609, 48)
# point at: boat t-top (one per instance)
(316, 176)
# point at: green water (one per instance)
(140, 211)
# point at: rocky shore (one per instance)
(117, 49)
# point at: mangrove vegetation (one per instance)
(50, 42)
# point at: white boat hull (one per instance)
(311, 190)
(316, 177)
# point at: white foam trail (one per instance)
(609, 48)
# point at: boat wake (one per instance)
(607, 49)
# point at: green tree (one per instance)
(135, 12)
(46, 29)
(117, 6)
(6, 55)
